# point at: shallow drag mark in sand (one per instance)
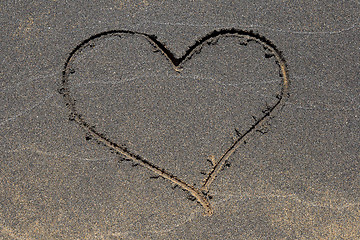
(200, 194)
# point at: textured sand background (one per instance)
(300, 180)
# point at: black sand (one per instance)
(297, 177)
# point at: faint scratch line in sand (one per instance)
(27, 109)
(34, 149)
(318, 107)
(257, 26)
(11, 86)
(195, 77)
(293, 196)
(192, 215)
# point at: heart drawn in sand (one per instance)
(199, 193)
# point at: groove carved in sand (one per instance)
(200, 194)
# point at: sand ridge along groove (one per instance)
(200, 194)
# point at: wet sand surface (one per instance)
(295, 176)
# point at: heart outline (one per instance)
(201, 194)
